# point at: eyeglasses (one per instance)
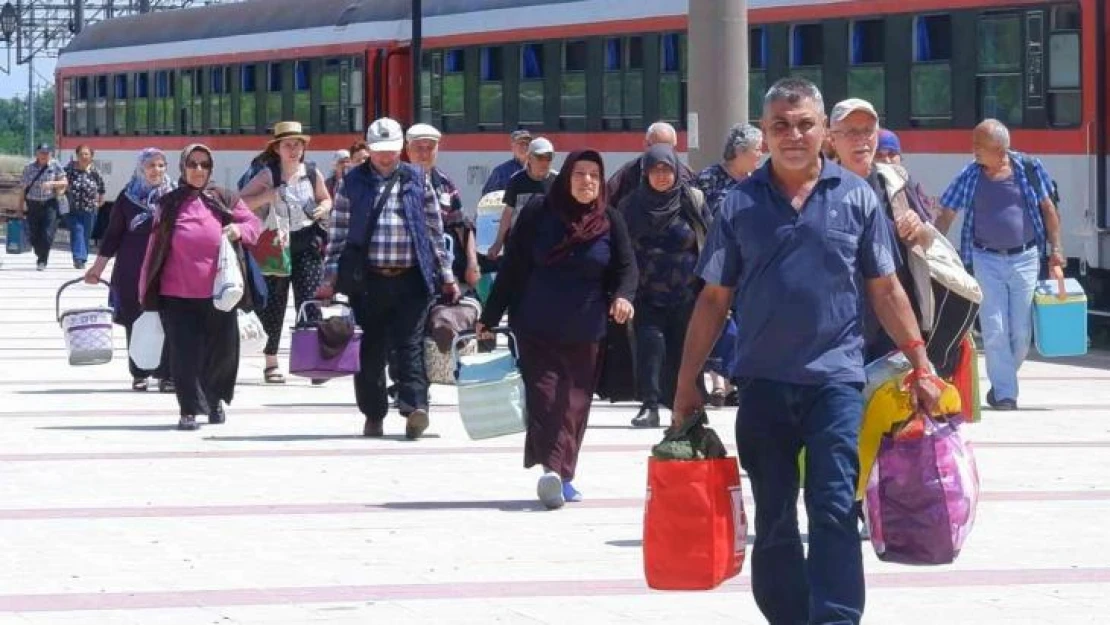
(205, 165)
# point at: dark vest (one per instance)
(360, 185)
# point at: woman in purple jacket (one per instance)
(126, 240)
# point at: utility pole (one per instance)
(417, 51)
(31, 106)
(717, 89)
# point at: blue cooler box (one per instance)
(18, 240)
(1060, 325)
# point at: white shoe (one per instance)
(550, 490)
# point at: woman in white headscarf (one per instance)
(126, 240)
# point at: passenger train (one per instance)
(596, 73)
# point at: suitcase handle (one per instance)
(466, 336)
(1061, 285)
(66, 285)
(302, 312)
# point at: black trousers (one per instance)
(204, 353)
(42, 225)
(163, 370)
(392, 315)
(660, 334)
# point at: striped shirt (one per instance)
(960, 197)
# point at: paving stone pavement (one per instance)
(285, 515)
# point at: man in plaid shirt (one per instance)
(1010, 223)
(407, 266)
(42, 184)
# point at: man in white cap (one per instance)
(386, 253)
(534, 179)
(423, 150)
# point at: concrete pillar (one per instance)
(717, 86)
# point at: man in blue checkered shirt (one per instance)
(1010, 223)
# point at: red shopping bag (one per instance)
(966, 380)
(695, 530)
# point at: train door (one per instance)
(388, 85)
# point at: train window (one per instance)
(248, 99)
(274, 98)
(338, 93)
(757, 71)
(454, 89)
(431, 93)
(302, 93)
(192, 101)
(572, 95)
(531, 104)
(81, 104)
(672, 79)
(164, 107)
(219, 99)
(119, 104)
(141, 101)
(867, 71)
(100, 105)
(999, 79)
(357, 87)
(491, 87)
(931, 73)
(1064, 84)
(807, 43)
(623, 84)
(67, 106)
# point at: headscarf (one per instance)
(584, 222)
(649, 210)
(212, 197)
(141, 192)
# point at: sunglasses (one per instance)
(205, 165)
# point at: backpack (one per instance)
(1030, 168)
(275, 172)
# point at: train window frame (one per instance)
(1065, 97)
(866, 71)
(532, 85)
(119, 102)
(219, 81)
(622, 82)
(139, 121)
(802, 57)
(924, 63)
(431, 92)
(248, 95)
(274, 94)
(491, 87)
(191, 94)
(100, 105)
(302, 95)
(998, 77)
(165, 103)
(339, 91)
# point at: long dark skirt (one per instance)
(204, 353)
(559, 383)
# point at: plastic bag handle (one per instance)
(1061, 286)
(462, 337)
(66, 285)
(302, 311)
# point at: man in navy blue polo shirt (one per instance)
(801, 246)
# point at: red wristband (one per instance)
(914, 344)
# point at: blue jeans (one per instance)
(80, 229)
(774, 422)
(1006, 315)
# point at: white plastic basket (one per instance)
(87, 331)
(491, 391)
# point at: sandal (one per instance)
(717, 398)
(273, 376)
(166, 386)
(140, 385)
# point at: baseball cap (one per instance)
(385, 135)
(423, 131)
(340, 155)
(520, 135)
(845, 108)
(888, 142)
(44, 147)
(540, 145)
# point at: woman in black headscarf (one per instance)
(667, 222)
(568, 267)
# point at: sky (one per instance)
(16, 83)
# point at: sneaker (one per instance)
(550, 490)
(319, 382)
(78, 264)
(570, 493)
(188, 422)
(373, 428)
(647, 418)
(218, 415)
(417, 423)
(1002, 405)
(166, 386)
(40, 266)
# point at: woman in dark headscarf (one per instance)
(177, 278)
(667, 222)
(568, 267)
(126, 239)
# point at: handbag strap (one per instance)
(27, 189)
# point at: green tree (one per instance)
(13, 122)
